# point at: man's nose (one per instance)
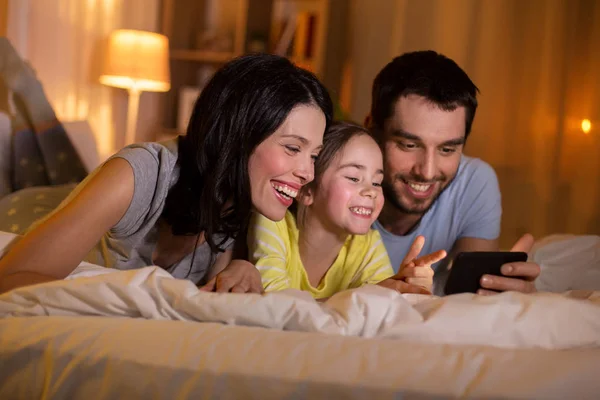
(425, 167)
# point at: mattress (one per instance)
(143, 334)
(108, 358)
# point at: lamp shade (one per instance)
(137, 60)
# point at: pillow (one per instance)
(5, 134)
(20, 209)
(83, 139)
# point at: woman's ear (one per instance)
(306, 196)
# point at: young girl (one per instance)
(328, 245)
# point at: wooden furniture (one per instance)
(205, 34)
(3, 17)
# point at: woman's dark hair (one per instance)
(337, 136)
(243, 104)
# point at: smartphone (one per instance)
(468, 268)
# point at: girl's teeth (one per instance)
(286, 191)
(419, 188)
(361, 210)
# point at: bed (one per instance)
(107, 334)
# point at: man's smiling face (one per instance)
(423, 147)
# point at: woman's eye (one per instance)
(293, 149)
(314, 158)
(351, 178)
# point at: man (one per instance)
(423, 105)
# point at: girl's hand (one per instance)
(416, 272)
(402, 287)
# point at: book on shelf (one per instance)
(296, 37)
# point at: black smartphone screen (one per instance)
(468, 268)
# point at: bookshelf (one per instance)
(204, 34)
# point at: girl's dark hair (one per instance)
(337, 136)
(243, 104)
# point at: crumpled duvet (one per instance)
(508, 320)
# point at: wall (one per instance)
(63, 40)
(536, 65)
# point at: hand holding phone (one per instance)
(468, 268)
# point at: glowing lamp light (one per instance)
(137, 61)
(586, 126)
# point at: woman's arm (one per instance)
(55, 247)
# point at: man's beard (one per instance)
(391, 197)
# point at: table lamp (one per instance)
(137, 61)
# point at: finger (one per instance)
(404, 272)
(501, 284)
(431, 258)
(238, 289)
(210, 285)
(528, 270)
(525, 243)
(415, 249)
(424, 282)
(224, 284)
(408, 288)
(256, 287)
(484, 292)
(418, 272)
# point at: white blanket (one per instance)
(508, 320)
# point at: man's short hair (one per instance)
(424, 73)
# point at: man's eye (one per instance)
(448, 150)
(407, 145)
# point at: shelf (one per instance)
(202, 56)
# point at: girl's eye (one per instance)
(293, 149)
(377, 184)
(350, 178)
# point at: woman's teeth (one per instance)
(285, 191)
(361, 210)
(419, 188)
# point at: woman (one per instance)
(253, 136)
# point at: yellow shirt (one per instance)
(273, 248)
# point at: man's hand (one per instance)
(238, 277)
(529, 271)
(415, 274)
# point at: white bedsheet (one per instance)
(509, 320)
